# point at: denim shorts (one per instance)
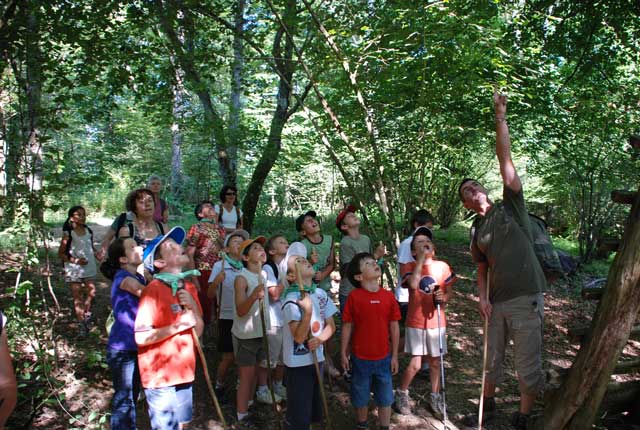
(368, 376)
(170, 406)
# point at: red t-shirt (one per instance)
(370, 313)
(171, 361)
(422, 311)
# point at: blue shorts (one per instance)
(170, 406)
(368, 376)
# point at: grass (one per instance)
(456, 234)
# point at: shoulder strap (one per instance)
(274, 267)
(90, 233)
(238, 217)
(160, 227)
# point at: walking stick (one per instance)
(207, 377)
(484, 357)
(265, 340)
(442, 387)
(315, 356)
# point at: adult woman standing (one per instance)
(161, 208)
(143, 228)
(230, 215)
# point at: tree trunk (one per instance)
(34, 94)
(176, 134)
(576, 403)
(274, 143)
(235, 103)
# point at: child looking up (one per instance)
(248, 329)
(353, 242)
(312, 314)
(168, 311)
(428, 280)
(80, 269)
(204, 242)
(276, 247)
(370, 309)
(221, 282)
(123, 258)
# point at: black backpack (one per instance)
(542, 246)
(68, 229)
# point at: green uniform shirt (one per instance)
(348, 249)
(503, 239)
(323, 248)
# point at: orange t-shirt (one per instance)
(422, 311)
(171, 361)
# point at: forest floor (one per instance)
(83, 387)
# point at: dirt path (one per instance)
(87, 387)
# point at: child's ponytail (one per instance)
(112, 264)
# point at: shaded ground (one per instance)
(81, 383)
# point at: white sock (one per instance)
(403, 391)
(242, 416)
(277, 384)
(262, 388)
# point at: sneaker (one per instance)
(264, 396)
(347, 376)
(247, 423)
(281, 391)
(488, 414)
(401, 404)
(519, 421)
(437, 406)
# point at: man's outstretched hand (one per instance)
(500, 104)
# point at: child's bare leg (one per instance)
(278, 375)
(91, 293)
(434, 373)
(247, 375)
(361, 414)
(78, 302)
(410, 372)
(384, 415)
(223, 367)
(262, 376)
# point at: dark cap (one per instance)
(423, 231)
(343, 213)
(300, 219)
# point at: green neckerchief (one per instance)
(233, 263)
(293, 288)
(211, 221)
(173, 280)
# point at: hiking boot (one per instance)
(281, 391)
(488, 413)
(401, 404)
(264, 396)
(437, 406)
(519, 421)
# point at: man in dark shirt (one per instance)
(502, 246)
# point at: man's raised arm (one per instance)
(503, 145)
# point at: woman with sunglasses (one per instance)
(230, 215)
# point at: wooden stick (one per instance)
(484, 356)
(207, 377)
(265, 340)
(315, 356)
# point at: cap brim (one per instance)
(239, 232)
(177, 233)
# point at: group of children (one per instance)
(274, 314)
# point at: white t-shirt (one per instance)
(228, 219)
(225, 291)
(249, 326)
(404, 257)
(275, 306)
(81, 247)
(295, 354)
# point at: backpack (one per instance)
(542, 247)
(68, 229)
(122, 221)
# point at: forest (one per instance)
(314, 105)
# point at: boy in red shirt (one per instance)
(426, 286)
(168, 309)
(370, 309)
